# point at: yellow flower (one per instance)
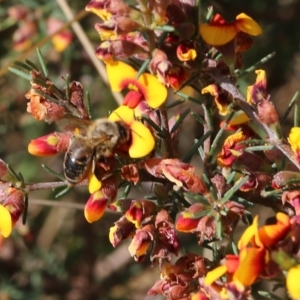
(292, 282)
(145, 88)
(219, 32)
(294, 139)
(6, 223)
(142, 141)
(258, 91)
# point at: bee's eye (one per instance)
(123, 132)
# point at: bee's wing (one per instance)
(71, 123)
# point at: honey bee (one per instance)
(97, 141)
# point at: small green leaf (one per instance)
(196, 146)
(201, 214)
(242, 201)
(256, 65)
(198, 118)
(296, 116)
(20, 73)
(88, 104)
(14, 175)
(165, 28)
(181, 199)
(42, 63)
(291, 104)
(189, 98)
(23, 65)
(219, 230)
(46, 96)
(269, 295)
(68, 94)
(151, 123)
(236, 187)
(59, 176)
(143, 68)
(209, 14)
(126, 191)
(180, 120)
(197, 197)
(32, 65)
(230, 177)
(64, 191)
(259, 148)
(234, 248)
(175, 103)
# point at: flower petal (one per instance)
(292, 282)
(246, 24)
(155, 93)
(118, 73)
(213, 275)
(122, 113)
(46, 145)
(250, 266)
(294, 139)
(216, 35)
(95, 207)
(5, 221)
(94, 183)
(271, 234)
(142, 140)
(248, 234)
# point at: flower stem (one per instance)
(51, 185)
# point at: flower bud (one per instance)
(49, 144)
(95, 207)
(188, 220)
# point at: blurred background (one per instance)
(58, 255)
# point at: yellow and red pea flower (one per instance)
(254, 255)
(186, 51)
(257, 92)
(231, 149)
(142, 141)
(175, 77)
(146, 87)
(50, 144)
(139, 210)
(294, 141)
(219, 32)
(95, 207)
(222, 98)
(187, 221)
